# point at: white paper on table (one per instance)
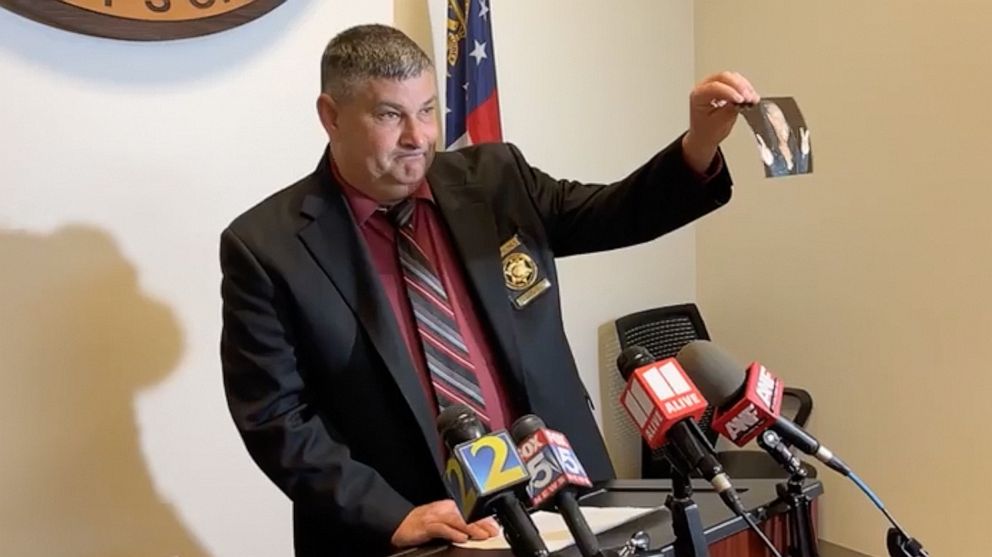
(555, 533)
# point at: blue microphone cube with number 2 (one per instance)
(483, 467)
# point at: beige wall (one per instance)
(868, 282)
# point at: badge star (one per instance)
(479, 52)
(483, 9)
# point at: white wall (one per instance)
(121, 162)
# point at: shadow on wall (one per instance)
(78, 340)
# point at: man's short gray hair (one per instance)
(368, 52)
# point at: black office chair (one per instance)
(663, 332)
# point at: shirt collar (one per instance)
(363, 206)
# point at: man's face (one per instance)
(383, 136)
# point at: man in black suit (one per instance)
(394, 280)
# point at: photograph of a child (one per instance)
(782, 136)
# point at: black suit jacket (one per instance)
(318, 379)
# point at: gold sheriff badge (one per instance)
(523, 277)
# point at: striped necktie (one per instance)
(452, 373)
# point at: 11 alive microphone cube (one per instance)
(482, 467)
(758, 408)
(552, 465)
(657, 396)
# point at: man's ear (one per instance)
(327, 110)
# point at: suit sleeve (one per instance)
(268, 399)
(662, 195)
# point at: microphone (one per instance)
(555, 476)
(665, 405)
(747, 403)
(485, 474)
(782, 454)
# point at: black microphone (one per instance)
(665, 404)
(747, 401)
(486, 476)
(782, 454)
(556, 475)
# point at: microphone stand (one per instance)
(802, 542)
(802, 539)
(690, 537)
(637, 546)
(901, 545)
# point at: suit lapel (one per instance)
(335, 243)
(476, 238)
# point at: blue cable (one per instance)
(864, 487)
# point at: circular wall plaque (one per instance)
(142, 20)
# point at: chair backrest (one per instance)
(663, 332)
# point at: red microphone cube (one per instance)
(659, 395)
(757, 409)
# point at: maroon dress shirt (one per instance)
(432, 236)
